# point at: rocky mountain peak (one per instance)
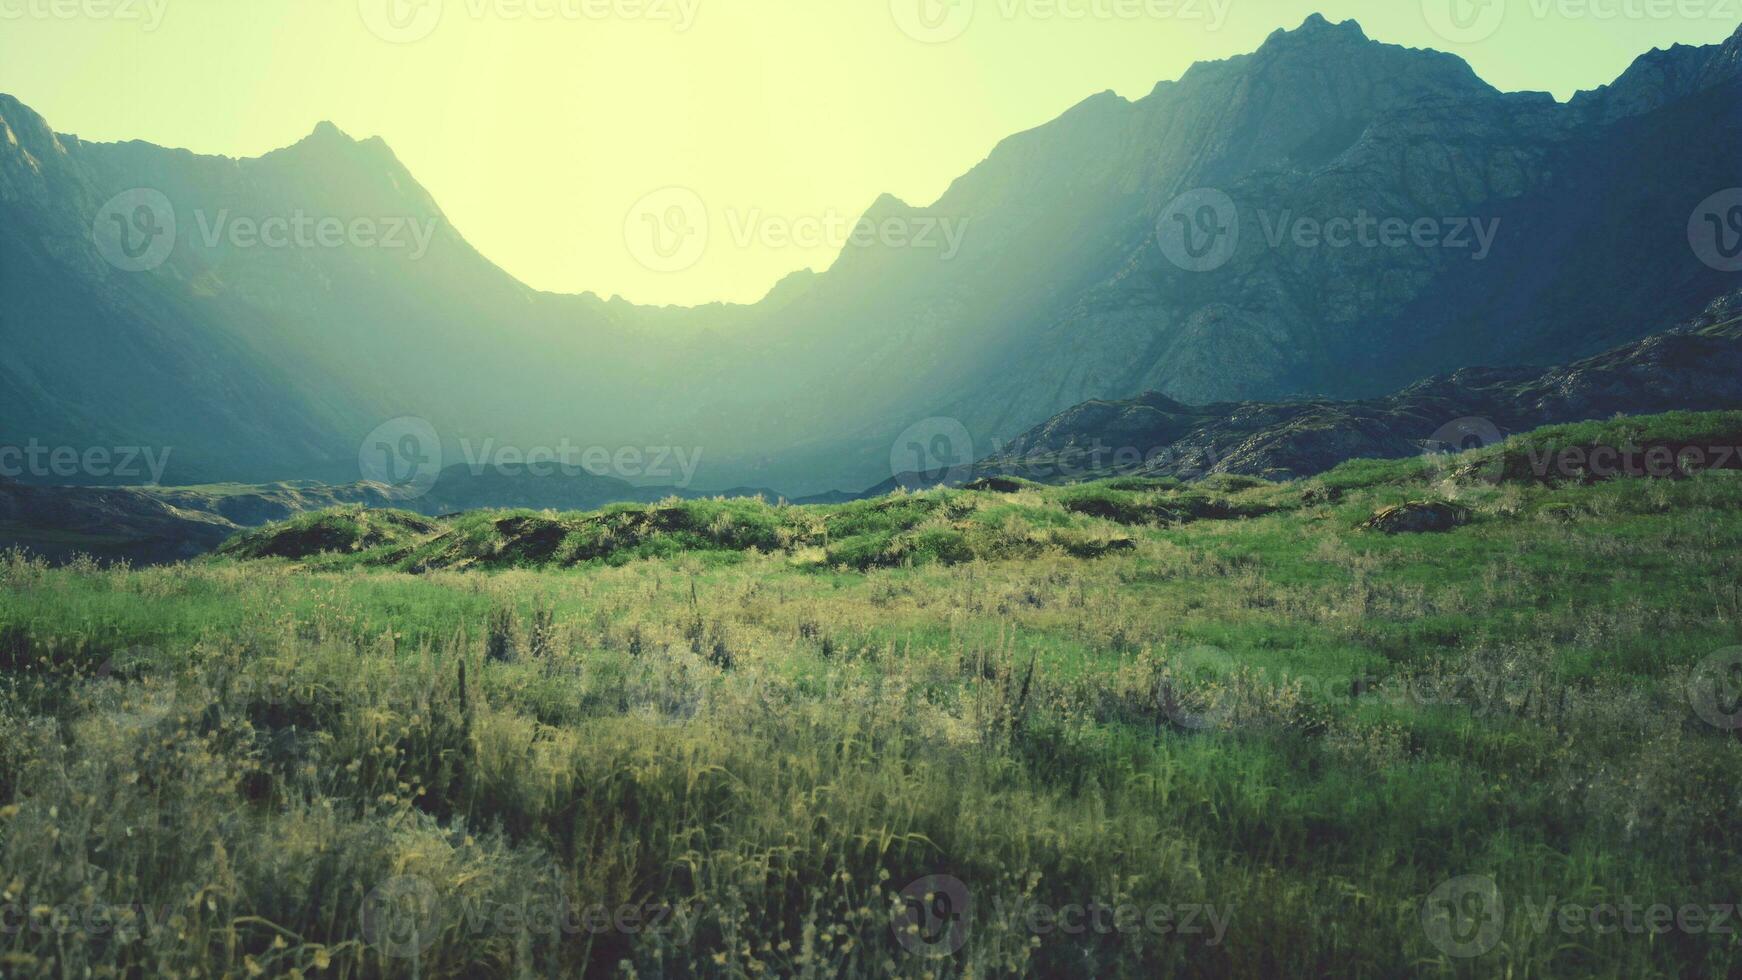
(1317, 30)
(1663, 75)
(22, 128)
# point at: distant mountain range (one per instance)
(155, 524)
(1328, 217)
(1694, 367)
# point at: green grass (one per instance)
(768, 720)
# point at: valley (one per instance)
(1281, 521)
(1127, 728)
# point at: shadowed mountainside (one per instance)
(261, 363)
(1694, 367)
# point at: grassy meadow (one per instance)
(1130, 728)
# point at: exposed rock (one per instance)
(1418, 517)
(996, 484)
(1694, 367)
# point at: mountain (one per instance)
(149, 525)
(155, 524)
(258, 353)
(268, 363)
(1696, 366)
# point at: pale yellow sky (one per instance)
(540, 124)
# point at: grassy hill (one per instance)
(1231, 728)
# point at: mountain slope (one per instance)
(1695, 367)
(261, 363)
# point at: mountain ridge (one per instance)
(1060, 292)
(1693, 366)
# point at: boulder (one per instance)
(1418, 517)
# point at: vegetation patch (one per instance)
(768, 725)
(344, 530)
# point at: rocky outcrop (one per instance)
(1418, 517)
(1695, 367)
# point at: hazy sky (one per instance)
(540, 124)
